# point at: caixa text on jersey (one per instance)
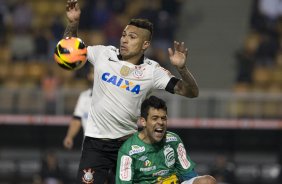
(121, 83)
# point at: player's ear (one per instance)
(142, 122)
(146, 44)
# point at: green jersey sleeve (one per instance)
(124, 172)
(183, 163)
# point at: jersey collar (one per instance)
(141, 60)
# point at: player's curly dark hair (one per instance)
(154, 102)
(143, 23)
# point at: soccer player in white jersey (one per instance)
(79, 117)
(123, 78)
(80, 114)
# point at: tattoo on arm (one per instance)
(188, 85)
(71, 30)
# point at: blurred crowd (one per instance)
(259, 61)
(30, 30)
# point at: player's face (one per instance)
(155, 125)
(133, 42)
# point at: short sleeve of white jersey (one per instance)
(161, 77)
(93, 52)
(82, 106)
(79, 107)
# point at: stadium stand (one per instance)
(244, 121)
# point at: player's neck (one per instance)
(142, 136)
(136, 60)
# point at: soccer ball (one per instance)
(70, 53)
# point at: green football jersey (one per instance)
(165, 161)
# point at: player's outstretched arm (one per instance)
(73, 14)
(73, 130)
(187, 86)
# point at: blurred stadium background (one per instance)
(233, 130)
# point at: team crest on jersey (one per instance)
(170, 138)
(138, 72)
(169, 156)
(88, 176)
(121, 83)
(136, 149)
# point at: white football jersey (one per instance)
(118, 91)
(82, 106)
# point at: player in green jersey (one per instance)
(155, 155)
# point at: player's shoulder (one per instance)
(132, 145)
(150, 62)
(131, 140)
(172, 137)
(154, 65)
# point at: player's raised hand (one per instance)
(178, 55)
(73, 10)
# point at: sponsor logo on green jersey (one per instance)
(147, 163)
(147, 169)
(136, 149)
(170, 138)
(161, 173)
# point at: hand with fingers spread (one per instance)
(187, 86)
(178, 55)
(73, 11)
